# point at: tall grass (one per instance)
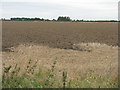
(12, 78)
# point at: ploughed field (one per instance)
(58, 34)
(87, 51)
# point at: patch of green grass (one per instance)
(31, 79)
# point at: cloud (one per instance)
(76, 9)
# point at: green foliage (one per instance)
(31, 79)
(61, 18)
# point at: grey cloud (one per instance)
(53, 10)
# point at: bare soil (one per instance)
(58, 34)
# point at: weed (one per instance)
(11, 78)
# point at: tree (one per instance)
(61, 18)
(53, 20)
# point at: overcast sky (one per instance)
(76, 9)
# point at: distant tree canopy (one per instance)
(27, 19)
(61, 18)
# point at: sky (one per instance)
(51, 9)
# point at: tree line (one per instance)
(60, 18)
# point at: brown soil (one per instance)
(58, 34)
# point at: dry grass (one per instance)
(102, 60)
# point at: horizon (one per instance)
(77, 9)
(57, 18)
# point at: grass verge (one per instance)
(12, 78)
